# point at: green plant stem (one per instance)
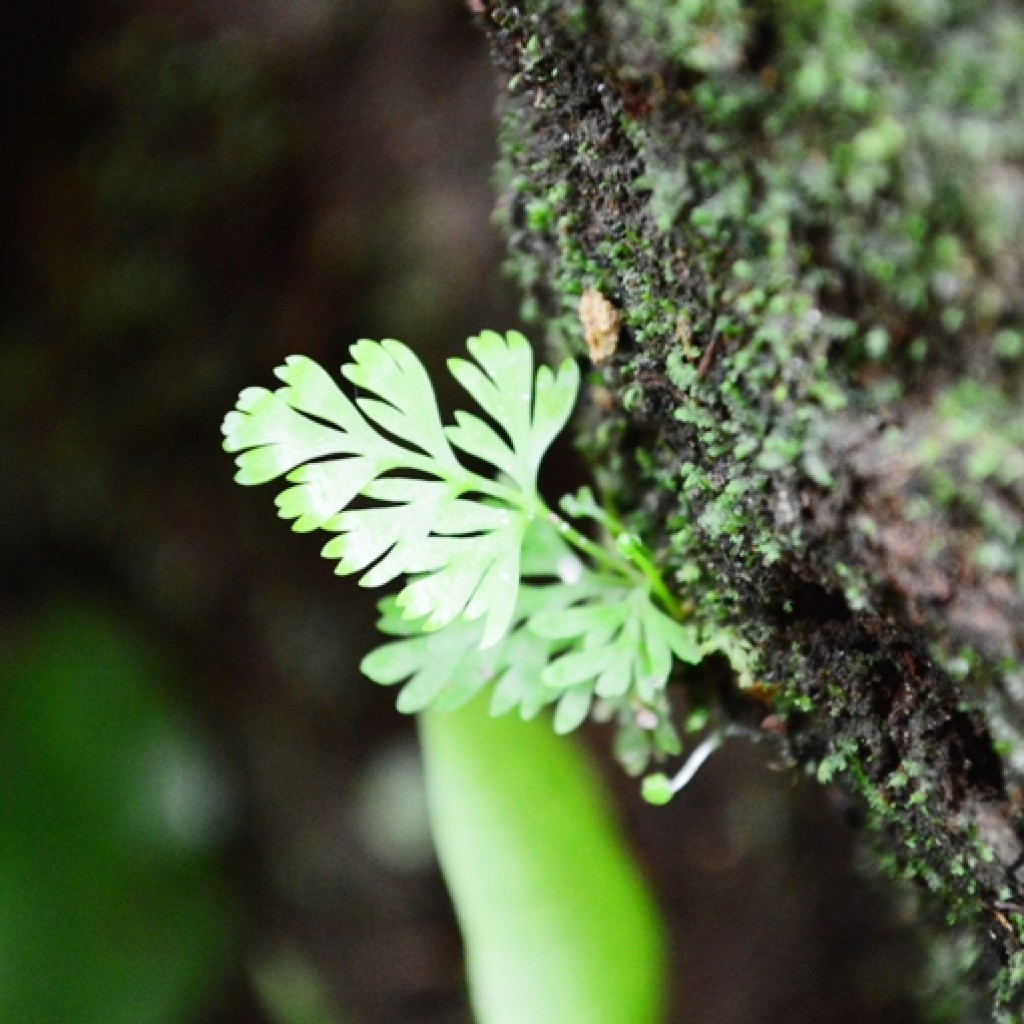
(642, 560)
(633, 550)
(627, 546)
(601, 556)
(637, 552)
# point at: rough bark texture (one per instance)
(810, 218)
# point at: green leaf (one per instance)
(582, 505)
(383, 474)
(274, 436)
(569, 643)
(408, 408)
(618, 641)
(116, 903)
(558, 926)
(532, 414)
(669, 635)
(446, 668)
(572, 709)
(428, 663)
(424, 515)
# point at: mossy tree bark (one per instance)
(810, 218)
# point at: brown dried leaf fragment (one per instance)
(601, 324)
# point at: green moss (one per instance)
(802, 210)
(833, 101)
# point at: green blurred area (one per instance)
(114, 905)
(559, 923)
(192, 191)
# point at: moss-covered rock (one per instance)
(810, 217)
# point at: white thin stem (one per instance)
(696, 759)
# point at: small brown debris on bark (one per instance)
(601, 324)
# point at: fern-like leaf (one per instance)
(577, 637)
(455, 533)
(447, 668)
(617, 643)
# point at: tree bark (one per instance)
(809, 218)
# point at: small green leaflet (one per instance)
(456, 534)
(571, 641)
(619, 642)
(446, 668)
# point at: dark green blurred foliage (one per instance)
(113, 907)
(191, 191)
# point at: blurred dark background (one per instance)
(206, 815)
